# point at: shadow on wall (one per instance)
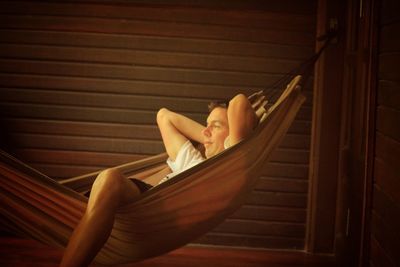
(7, 141)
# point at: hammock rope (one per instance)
(304, 69)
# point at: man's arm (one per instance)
(241, 117)
(176, 129)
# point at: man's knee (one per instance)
(110, 180)
(162, 115)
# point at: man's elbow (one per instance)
(239, 103)
(242, 116)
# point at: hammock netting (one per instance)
(164, 218)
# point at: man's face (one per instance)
(216, 131)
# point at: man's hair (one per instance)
(217, 104)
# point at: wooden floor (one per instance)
(17, 252)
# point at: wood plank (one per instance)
(136, 87)
(388, 211)
(277, 186)
(389, 12)
(251, 241)
(59, 172)
(387, 239)
(304, 7)
(388, 179)
(388, 63)
(84, 158)
(154, 43)
(54, 161)
(122, 101)
(295, 141)
(76, 128)
(154, 28)
(142, 73)
(388, 150)
(304, 113)
(259, 228)
(23, 125)
(286, 170)
(93, 144)
(379, 256)
(16, 251)
(82, 114)
(388, 122)
(389, 94)
(112, 131)
(301, 126)
(290, 156)
(386, 42)
(277, 199)
(147, 58)
(240, 18)
(273, 184)
(89, 158)
(73, 143)
(274, 214)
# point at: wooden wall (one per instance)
(81, 82)
(385, 218)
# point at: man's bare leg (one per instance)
(109, 191)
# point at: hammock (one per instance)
(162, 219)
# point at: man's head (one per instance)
(216, 131)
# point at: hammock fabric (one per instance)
(162, 219)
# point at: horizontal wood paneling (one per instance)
(379, 256)
(114, 101)
(155, 43)
(388, 94)
(275, 214)
(29, 253)
(73, 84)
(292, 142)
(145, 58)
(277, 169)
(389, 13)
(263, 232)
(79, 128)
(387, 210)
(260, 228)
(301, 7)
(388, 121)
(278, 199)
(77, 158)
(386, 148)
(388, 179)
(387, 43)
(385, 237)
(84, 113)
(133, 72)
(132, 146)
(142, 27)
(154, 13)
(215, 238)
(386, 62)
(69, 170)
(81, 84)
(275, 184)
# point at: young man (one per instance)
(112, 190)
